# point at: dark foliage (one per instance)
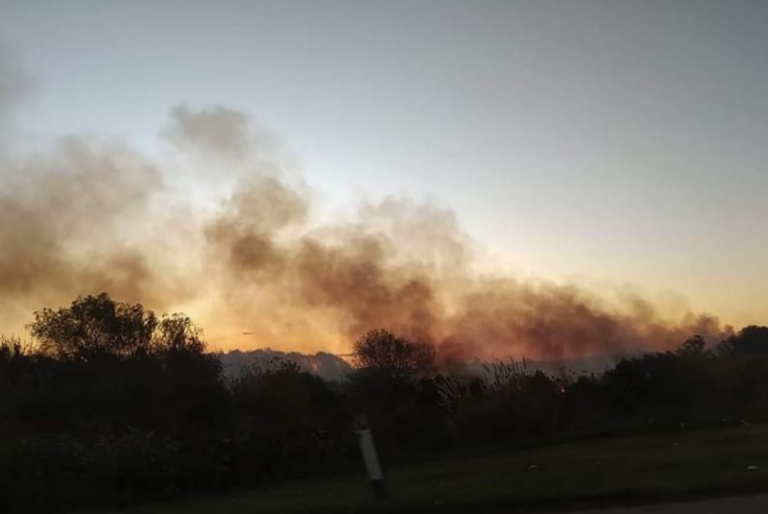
(384, 353)
(114, 405)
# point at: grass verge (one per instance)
(627, 469)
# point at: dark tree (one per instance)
(100, 326)
(750, 341)
(94, 325)
(115, 365)
(396, 356)
(695, 347)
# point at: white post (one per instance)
(370, 457)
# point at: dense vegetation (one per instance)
(112, 405)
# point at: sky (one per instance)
(602, 142)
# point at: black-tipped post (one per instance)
(370, 457)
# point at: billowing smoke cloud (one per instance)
(94, 215)
(217, 130)
(15, 87)
(14, 84)
(70, 224)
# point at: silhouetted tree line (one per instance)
(113, 404)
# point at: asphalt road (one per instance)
(753, 504)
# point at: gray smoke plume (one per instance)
(93, 215)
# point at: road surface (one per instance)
(753, 504)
